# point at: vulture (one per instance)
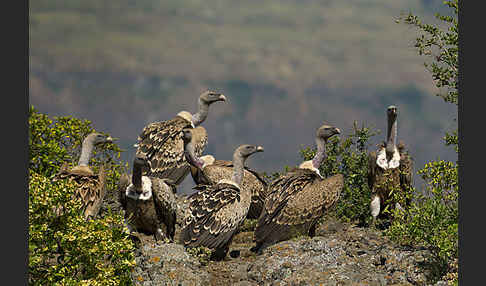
(216, 212)
(298, 199)
(91, 188)
(162, 144)
(389, 168)
(149, 202)
(206, 170)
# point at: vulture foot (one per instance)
(160, 237)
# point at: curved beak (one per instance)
(222, 98)
(338, 131)
(111, 139)
(259, 149)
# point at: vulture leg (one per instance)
(259, 247)
(219, 254)
(375, 209)
(159, 235)
(312, 230)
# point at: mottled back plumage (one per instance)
(91, 187)
(162, 144)
(222, 169)
(295, 203)
(214, 216)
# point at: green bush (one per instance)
(68, 250)
(432, 220)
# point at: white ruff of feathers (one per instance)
(208, 160)
(146, 190)
(308, 165)
(187, 116)
(383, 163)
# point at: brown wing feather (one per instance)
(308, 205)
(371, 169)
(271, 226)
(165, 204)
(91, 187)
(406, 166)
(199, 140)
(97, 195)
(161, 142)
(406, 171)
(123, 184)
(208, 223)
(222, 169)
(282, 188)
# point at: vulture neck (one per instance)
(320, 154)
(86, 150)
(191, 156)
(238, 164)
(202, 113)
(391, 135)
(137, 176)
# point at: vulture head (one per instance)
(326, 131)
(392, 113)
(209, 97)
(244, 151)
(98, 138)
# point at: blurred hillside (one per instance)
(285, 66)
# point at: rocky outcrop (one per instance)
(340, 254)
(167, 264)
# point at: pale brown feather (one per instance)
(91, 187)
(222, 169)
(165, 204)
(215, 214)
(161, 142)
(295, 203)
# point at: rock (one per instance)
(167, 264)
(340, 254)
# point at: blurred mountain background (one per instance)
(285, 66)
